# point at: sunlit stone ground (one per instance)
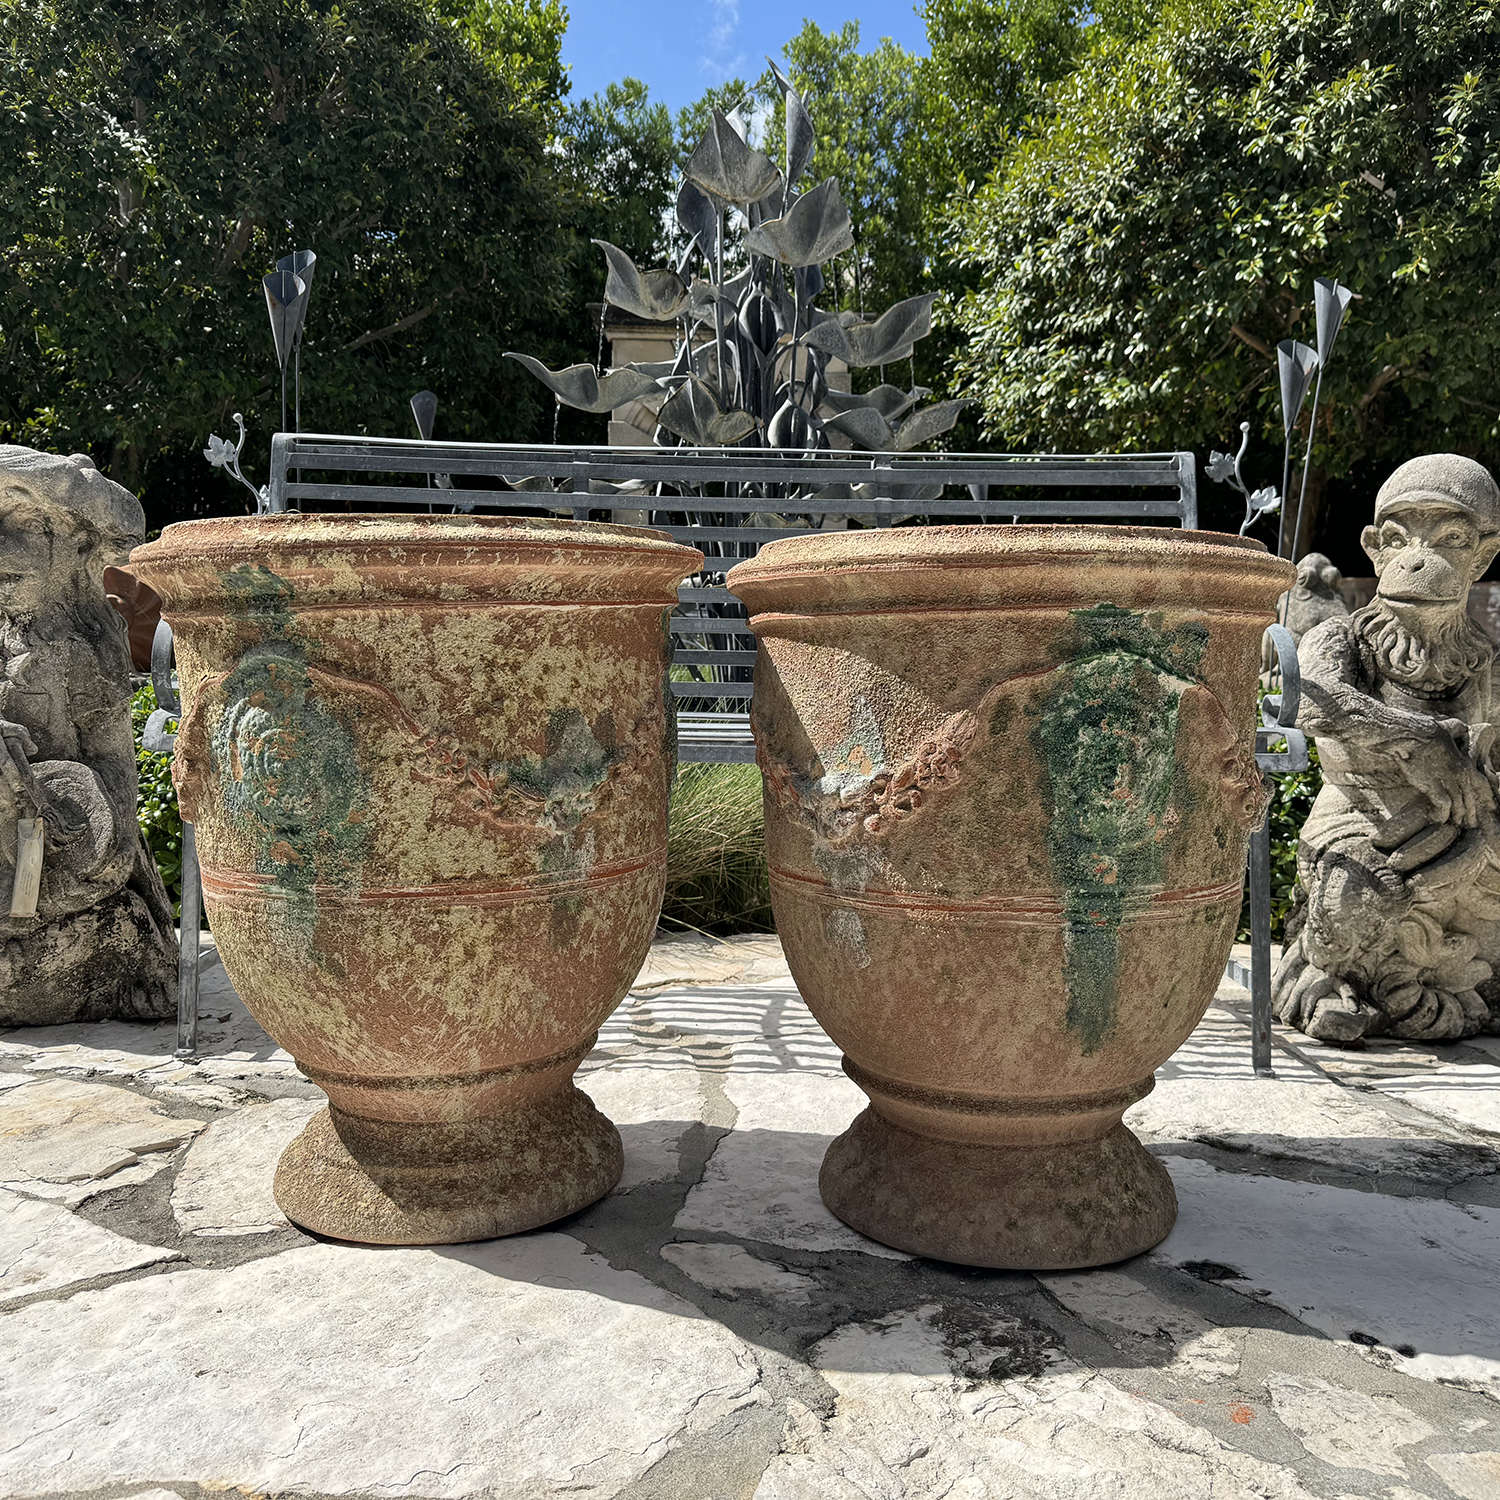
(1324, 1321)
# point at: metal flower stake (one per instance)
(301, 264)
(1331, 300)
(287, 290)
(1297, 364)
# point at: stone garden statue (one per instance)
(86, 929)
(1314, 597)
(1396, 926)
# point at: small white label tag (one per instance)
(28, 886)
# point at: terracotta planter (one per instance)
(1009, 781)
(428, 760)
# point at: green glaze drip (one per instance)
(566, 781)
(1107, 736)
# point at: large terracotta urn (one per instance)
(1009, 782)
(428, 760)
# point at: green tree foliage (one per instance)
(156, 802)
(865, 111)
(156, 158)
(626, 155)
(987, 63)
(1160, 229)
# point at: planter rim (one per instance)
(369, 558)
(375, 529)
(825, 570)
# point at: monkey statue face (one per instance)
(1427, 555)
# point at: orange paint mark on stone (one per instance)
(1242, 1414)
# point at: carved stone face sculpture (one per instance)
(1436, 530)
(101, 939)
(61, 524)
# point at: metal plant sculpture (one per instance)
(223, 454)
(753, 347)
(1297, 363)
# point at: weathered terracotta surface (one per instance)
(428, 758)
(1009, 781)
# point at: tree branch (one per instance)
(1376, 386)
(410, 321)
(1259, 345)
(239, 242)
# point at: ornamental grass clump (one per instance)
(716, 857)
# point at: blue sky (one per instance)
(679, 47)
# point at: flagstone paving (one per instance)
(1322, 1322)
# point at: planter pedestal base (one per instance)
(383, 1182)
(1058, 1206)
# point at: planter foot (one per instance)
(382, 1182)
(1021, 1208)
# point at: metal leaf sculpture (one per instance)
(583, 387)
(286, 298)
(801, 139)
(1331, 300)
(889, 338)
(722, 164)
(698, 216)
(869, 429)
(302, 264)
(695, 414)
(889, 400)
(658, 296)
(755, 353)
(927, 423)
(815, 229)
(1296, 362)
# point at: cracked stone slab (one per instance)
(514, 1368)
(689, 959)
(44, 1248)
(761, 1183)
(1409, 1274)
(730, 1270)
(1467, 1095)
(232, 1050)
(749, 1027)
(1220, 1046)
(71, 1194)
(1348, 1429)
(63, 1130)
(909, 1424)
(1471, 1476)
(1116, 1305)
(1307, 1120)
(224, 1187)
(652, 1102)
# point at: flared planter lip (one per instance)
(1006, 566)
(366, 558)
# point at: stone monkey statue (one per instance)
(1396, 926)
(102, 941)
(1315, 596)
